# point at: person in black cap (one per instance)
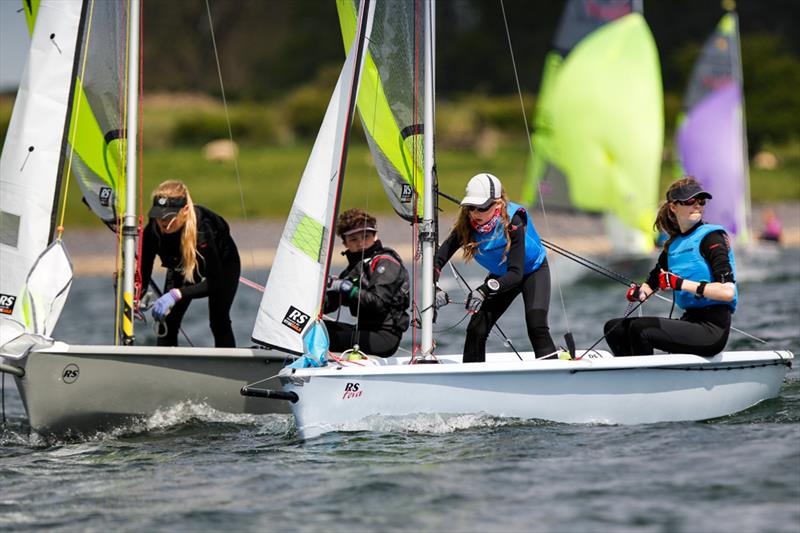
(500, 236)
(697, 264)
(374, 286)
(196, 248)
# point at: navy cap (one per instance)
(165, 207)
(685, 192)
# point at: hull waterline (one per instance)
(70, 389)
(606, 390)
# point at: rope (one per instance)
(228, 122)
(530, 148)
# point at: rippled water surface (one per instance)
(192, 468)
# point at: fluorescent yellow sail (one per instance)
(393, 128)
(602, 122)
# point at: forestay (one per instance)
(293, 295)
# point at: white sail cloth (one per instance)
(30, 162)
(296, 284)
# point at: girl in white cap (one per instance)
(697, 265)
(500, 236)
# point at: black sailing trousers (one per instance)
(220, 301)
(535, 289)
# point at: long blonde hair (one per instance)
(666, 220)
(177, 189)
(463, 228)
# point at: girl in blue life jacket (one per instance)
(500, 236)
(697, 265)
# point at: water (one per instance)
(191, 468)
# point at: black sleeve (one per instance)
(714, 248)
(148, 255)
(376, 298)
(516, 253)
(652, 278)
(446, 251)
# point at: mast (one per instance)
(427, 234)
(744, 234)
(129, 227)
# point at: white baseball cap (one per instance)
(482, 189)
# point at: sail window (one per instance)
(9, 229)
(306, 234)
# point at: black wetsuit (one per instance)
(700, 331)
(216, 276)
(534, 286)
(379, 299)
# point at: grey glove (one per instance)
(441, 299)
(474, 301)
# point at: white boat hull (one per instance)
(83, 389)
(604, 389)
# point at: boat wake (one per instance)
(430, 423)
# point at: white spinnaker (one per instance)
(293, 294)
(29, 164)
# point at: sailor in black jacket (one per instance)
(195, 246)
(374, 286)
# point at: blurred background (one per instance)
(280, 59)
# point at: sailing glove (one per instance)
(340, 285)
(634, 293)
(668, 280)
(474, 301)
(442, 299)
(164, 304)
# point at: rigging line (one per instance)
(530, 148)
(228, 123)
(587, 263)
(625, 316)
(506, 338)
(60, 229)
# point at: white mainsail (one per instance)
(30, 164)
(293, 294)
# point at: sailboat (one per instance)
(711, 143)
(75, 109)
(328, 393)
(598, 128)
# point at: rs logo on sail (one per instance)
(352, 390)
(7, 304)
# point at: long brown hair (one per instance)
(666, 220)
(463, 228)
(177, 189)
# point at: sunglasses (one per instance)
(692, 201)
(480, 209)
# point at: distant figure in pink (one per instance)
(772, 227)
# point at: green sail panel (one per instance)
(96, 147)
(602, 121)
(31, 8)
(390, 101)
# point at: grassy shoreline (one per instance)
(268, 178)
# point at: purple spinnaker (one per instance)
(710, 145)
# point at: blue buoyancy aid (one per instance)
(684, 259)
(492, 246)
